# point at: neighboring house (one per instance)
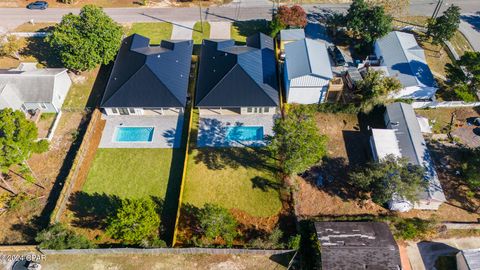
(403, 138)
(307, 72)
(29, 88)
(237, 79)
(357, 245)
(289, 35)
(402, 58)
(468, 259)
(148, 80)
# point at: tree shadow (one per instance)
(420, 70)
(248, 28)
(92, 210)
(41, 50)
(264, 184)
(99, 86)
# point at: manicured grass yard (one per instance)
(198, 36)
(132, 173)
(155, 31)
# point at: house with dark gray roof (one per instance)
(29, 88)
(357, 246)
(307, 71)
(401, 57)
(403, 138)
(148, 80)
(237, 79)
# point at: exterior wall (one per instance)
(44, 107)
(378, 52)
(141, 111)
(62, 86)
(374, 149)
(461, 263)
(236, 111)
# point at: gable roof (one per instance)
(237, 76)
(357, 245)
(405, 59)
(307, 57)
(403, 121)
(149, 76)
(28, 84)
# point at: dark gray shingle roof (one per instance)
(149, 76)
(237, 76)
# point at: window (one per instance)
(266, 109)
(255, 110)
(132, 110)
(114, 110)
(249, 110)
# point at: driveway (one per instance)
(423, 255)
(182, 30)
(470, 27)
(220, 30)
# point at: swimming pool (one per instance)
(243, 133)
(134, 134)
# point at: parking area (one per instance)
(167, 131)
(234, 130)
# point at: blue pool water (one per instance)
(134, 134)
(240, 133)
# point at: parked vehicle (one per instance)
(337, 56)
(38, 5)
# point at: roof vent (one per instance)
(158, 56)
(115, 78)
(226, 54)
(176, 61)
(213, 57)
(214, 70)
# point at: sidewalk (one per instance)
(470, 28)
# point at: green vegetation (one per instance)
(198, 35)
(375, 89)
(9, 46)
(444, 27)
(470, 168)
(464, 76)
(87, 40)
(217, 222)
(57, 236)
(297, 141)
(156, 32)
(413, 228)
(242, 29)
(388, 177)
(136, 221)
(288, 17)
(132, 173)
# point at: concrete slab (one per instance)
(182, 30)
(213, 129)
(220, 30)
(167, 130)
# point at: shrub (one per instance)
(273, 241)
(58, 236)
(413, 228)
(216, 221)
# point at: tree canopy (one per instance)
(390, 176)
(57, 236)
(18, 139)
(464, 76)
(297, 141)
(471, 168)
(443, 28)
(135, 222)
(86, 40)
(216, 221)
(376, 89)
(292, 17)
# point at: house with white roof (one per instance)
(401, 57)
(29, 88)
(307, 71)
(468, 259)
(403, 138)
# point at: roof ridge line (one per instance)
(120, 86)
(308, 56)
(404, 54)
(263, 90)
(223, 78)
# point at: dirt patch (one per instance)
(18, 224)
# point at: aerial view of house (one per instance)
(146, 94)
(468, 259)
(237, 91)
(29, 88)
(357, 245)
(403, 138)
(401, 57)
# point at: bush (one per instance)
(273, 241)
(216, 221)
(294, 242)
(336, 108)
(58, 236)
(413, 228)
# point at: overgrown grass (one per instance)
(132, 173)
(460, 43)
(240, 30)
(198, 35)
(79, 93)
(155, 31)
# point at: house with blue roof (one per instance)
(401, 57)
(307, 71)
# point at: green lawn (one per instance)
(198, 36)
(132, 173)
(232, 178)
(242, 29)
(155, 31)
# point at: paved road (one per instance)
(470, 27)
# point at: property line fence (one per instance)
(76, 165)
(444, 104)
(18, 248)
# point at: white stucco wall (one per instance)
(62, 86)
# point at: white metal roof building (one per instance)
(468, 259)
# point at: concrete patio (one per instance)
(167, 131)
(213, 129)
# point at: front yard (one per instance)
(156, 32)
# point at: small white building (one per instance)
(401, 57)
(307, 71)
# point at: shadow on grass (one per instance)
(92, 210)
(265, 184)
(99, 85)
(41, 50)
(248, 28)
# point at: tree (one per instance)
(86, 40)
(18, 140)
(292, 17)
(216, 221)
(367, 23)
(391, 176)
(464, 76)
(10, 46)
(57, 236)
(135, 222)
(471, 168)
(376, 89)
(297, 140)
(444, 27)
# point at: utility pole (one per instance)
(437, 9)
(201, 20)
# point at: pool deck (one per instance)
(167, 130)
(213, 129)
